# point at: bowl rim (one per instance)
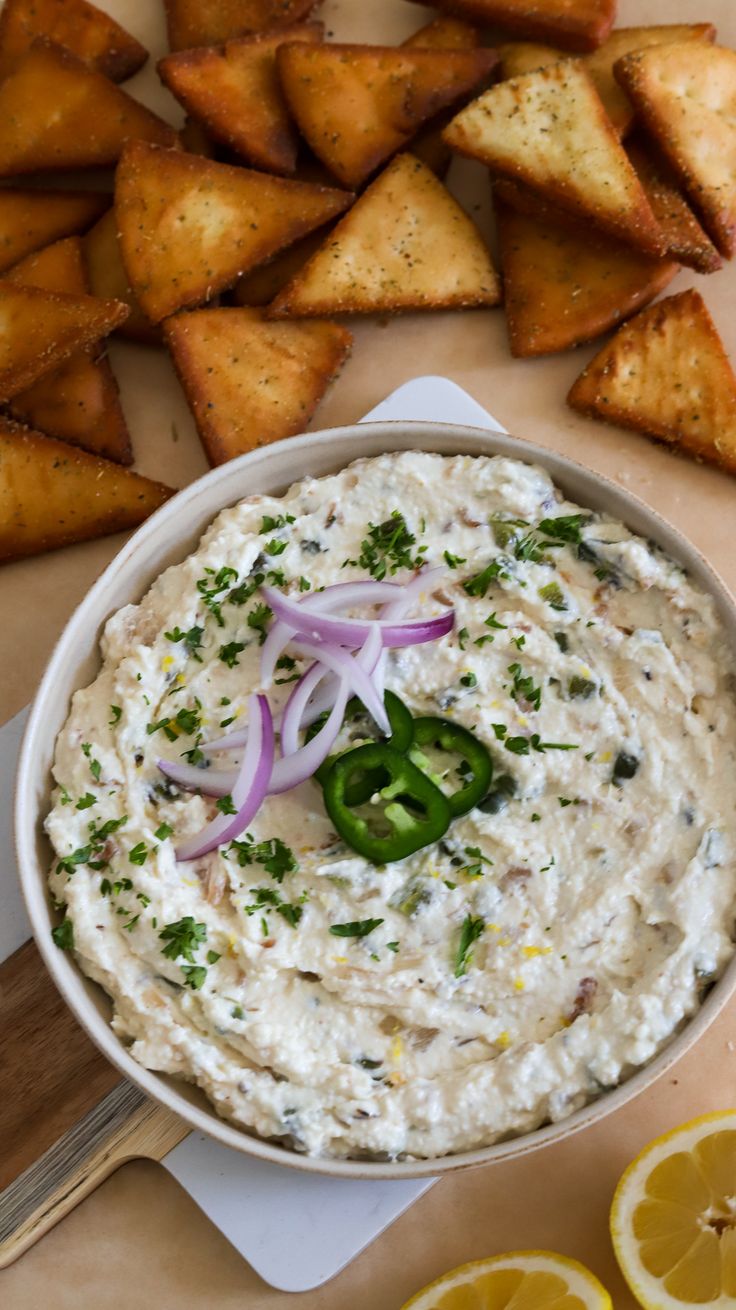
(370, 439)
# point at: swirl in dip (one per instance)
(600, 878)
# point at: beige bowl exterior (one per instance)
(168, 537)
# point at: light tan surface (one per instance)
(140, 1241)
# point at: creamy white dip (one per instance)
(608, 904)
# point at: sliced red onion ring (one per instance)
(346, 667)
(211, 782)
(250, 787)
(345, 595)
(352, 632)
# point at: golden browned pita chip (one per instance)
(210, 22)
(261, 286)
(39, 329)
(249, 382)
(109, 280)
(441, 34)
(666, 374)
(406, 244)
(53, 495)
(78, 401)
(357, 105)
(550, 131)
(189, 227)
(91, 35)
(685, 96)
(572, 24)
(519, 57)
(563, 285)
(31, 219)
(234, 90)
(687, 242)
(194, 139)
(58, 113)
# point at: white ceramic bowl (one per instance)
(167, 537)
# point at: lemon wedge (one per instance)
(519, 1280)
(673, 1219)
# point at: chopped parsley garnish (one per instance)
(462, 638)
(139, 853)
(565, 528)
(240, 595)
(267, 898)
(387, 548)
(287, 664)
(194, 976)
(225, 805)
(182, 938)
(552, 593)
(531, 548)
(229, 653)
(523, 688)
(471, 930)
(187, 721)
(452, 561)
(275, 856)
(95, 767)
(192, 639)
(213, 957)
(65, 798)
(114, 889)
(468, 680)
(475, 870)
(163, 831)
(276, 546)
(258, 619)
(519, 642)
(305, 584)
(478, 584)
(63, 935)
(237, 1012)
(69, 862)
(115, 715)
(269, 523)
(85, 801)
(562, 641)
(581, 688)
(211, 588)
(392, 946)
(524, 745)
(356, 928)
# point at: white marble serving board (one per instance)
(296, 1230)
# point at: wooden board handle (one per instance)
(124, 1125)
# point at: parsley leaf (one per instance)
(452, 561)
(182, 938)
(85, 801)
(478, 584)
(192, 639)
(225, 805)
(357, 928)
(163, 831)
(194, 976)
(258, 619)
(275, 856)
(387, 547)
(276, 546)
(229, 653)
(565, 528)
(471, 930)
(211, 587)
(139, 853)
(269, 523)
(63, 935)
(95, 767)
(116, 714)
(523, 690)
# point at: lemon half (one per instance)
(673, 1219)
(519, 1280)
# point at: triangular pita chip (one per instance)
(234, 90)
(108, 279)
(666, 374)
(563, 285)
(572, 24)
(262, 285)
(58, 113)
(79, 401)
(31, 219)
(441, 34)
(357, 105)
(196, 140)
(519, 57)
(210, 22)
(249, 382)
(406, 244)
(54, 495)
(91, 35)
(188, 227)
(39, 329)
(687, 242)
(549, 130)
(685, 96)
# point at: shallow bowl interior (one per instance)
(165, 539)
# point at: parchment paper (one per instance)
(140, 1241)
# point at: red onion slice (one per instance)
(352, 632)
(347, 667)
(211, 782)
(250, 787)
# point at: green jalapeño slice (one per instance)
(406, 810)
(454, 757)
(360, 726)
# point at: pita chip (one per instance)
(31, 219)
(580, 25)
(441, 34)
(667, 375)
(108, 279)
(193, 23)
(40, 329)
(93, 36)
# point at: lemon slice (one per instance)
(673, 1219)
(519, 1280)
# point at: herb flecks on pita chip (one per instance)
(686, 240)
(580, 25)
(235, 92)
(53, 495)
(31, 219)
(406, 244)
(40, 329)
(108, 279)
(189, 227)
(93, 36)
(356, 105)
(564, 286)
(193, 23)
(550, 131)
(667, 375)
(685, 96)
(249, 381)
